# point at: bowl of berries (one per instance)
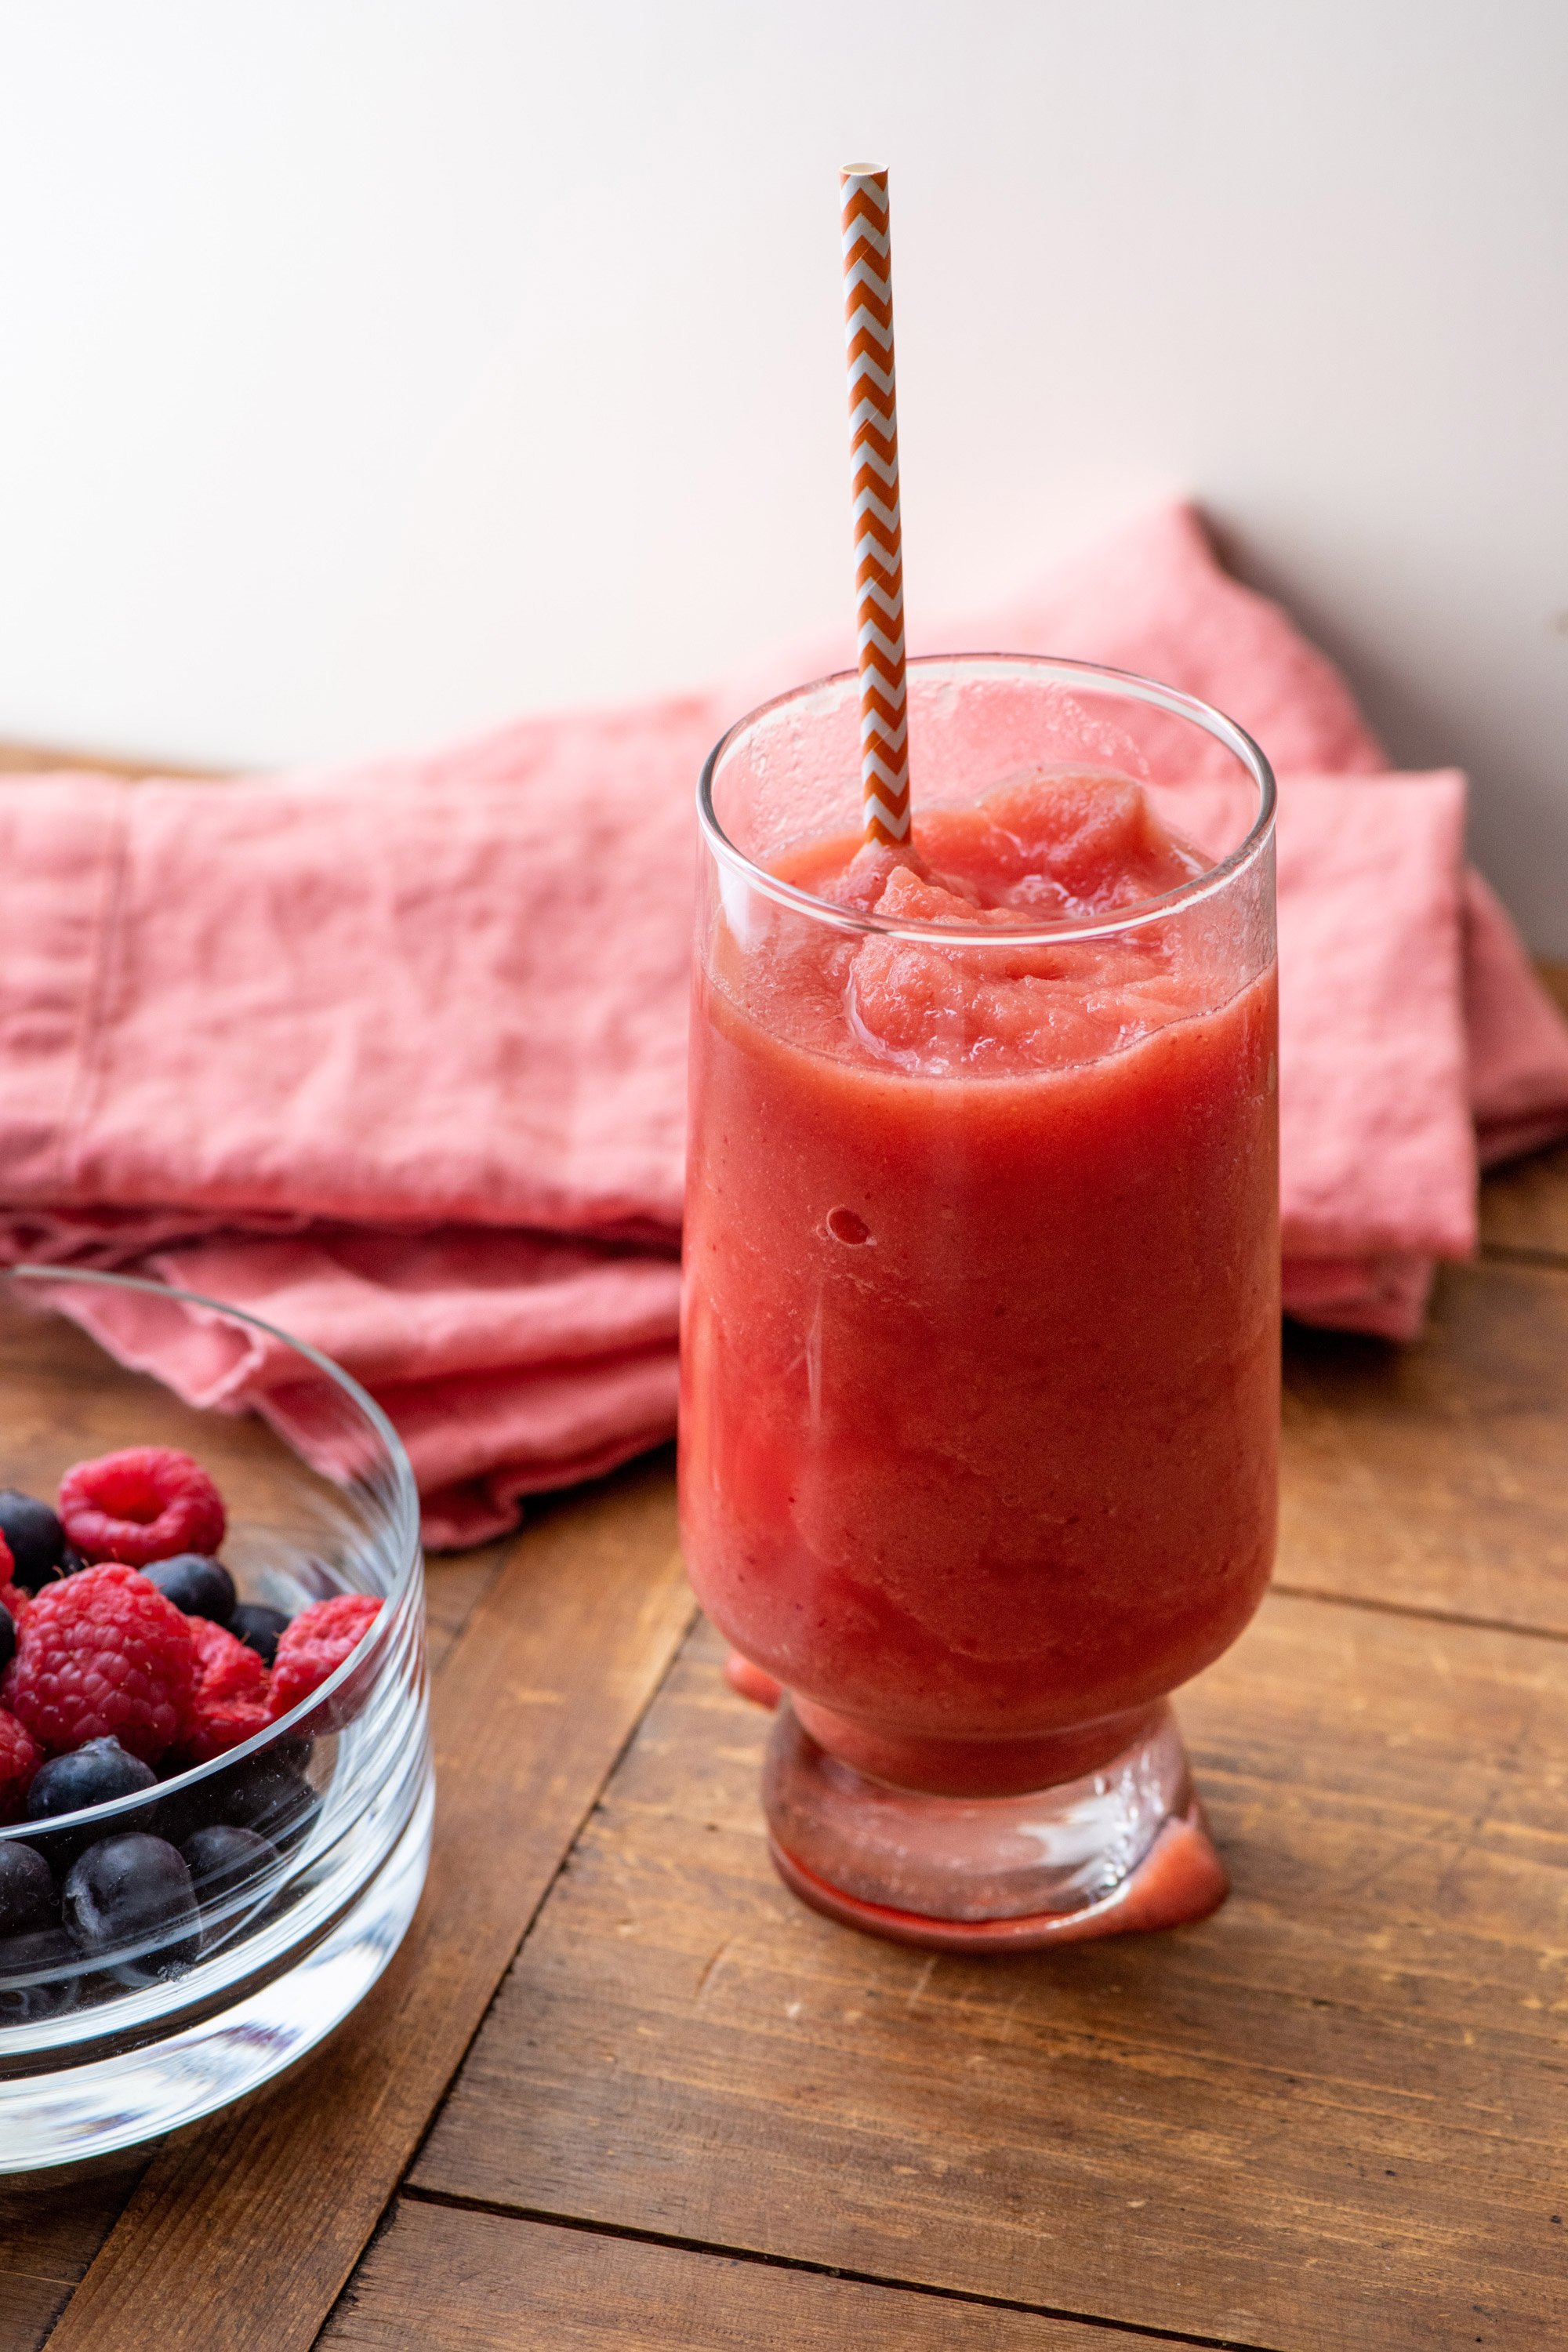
(215, 1786)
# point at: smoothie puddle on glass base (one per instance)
(980, 1393)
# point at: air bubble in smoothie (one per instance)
(847, 1227)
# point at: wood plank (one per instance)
(455, 1584)
(440, 2280)
(1436, 1476)
(260, 2214)
(1524, 1205)
(48, 2238)
(1336, 2115)
(42, 760)
(1556, 976)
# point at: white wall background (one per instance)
(372, 370)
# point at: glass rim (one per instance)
(405, 1536)
(1143, 911)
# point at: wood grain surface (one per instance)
(52, 759)
(47, 2241)
(523, 2286)
(1524, 1207)
(1436, 1476)
(1333, 2115)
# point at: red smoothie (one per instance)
(980, 1367)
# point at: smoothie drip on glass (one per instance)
(981, 1353)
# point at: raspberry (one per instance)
(144, 1505)
(102, 1653)
(229, 1701)
(316, 1644)
(20, 1757)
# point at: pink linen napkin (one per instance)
(394, 1058)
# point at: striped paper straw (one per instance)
(879, 537)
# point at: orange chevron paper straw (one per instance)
(878, 532)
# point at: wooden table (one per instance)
(619, 2090)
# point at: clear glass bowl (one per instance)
(100, 2051)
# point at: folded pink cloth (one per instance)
(394, 1057)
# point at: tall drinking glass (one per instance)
(980, 1360)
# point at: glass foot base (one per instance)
(1121, 1851)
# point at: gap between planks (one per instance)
(583, 2226)
(1523, 1254)
(1465, 1620)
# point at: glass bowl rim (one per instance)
(1147, 690)
(405, 1533)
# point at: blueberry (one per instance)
(37, 1538)
(45, 1962)
(266, 1795)
(199, 1586)
(94, 1774)
(223, 1858)
(130, 1891)
(270, 1784)
(258, 1628)
(7, 1639)
(182, 1812)
(27, 1890)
